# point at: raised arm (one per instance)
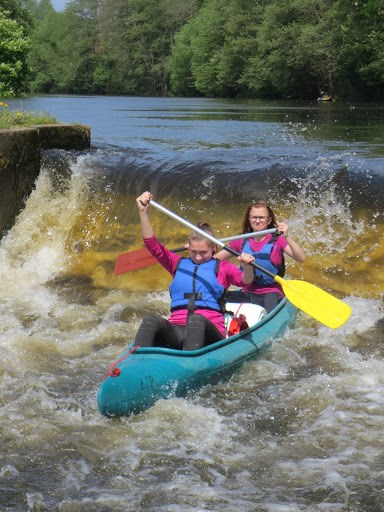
(142, 205)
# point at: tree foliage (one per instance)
(290, 49)
(64, 55)
(15, 22)
(265, 48)
(136, 37)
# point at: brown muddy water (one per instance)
(299, 429)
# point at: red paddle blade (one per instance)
(133, 260)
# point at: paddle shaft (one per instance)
(208, 236)
(142, 258)
(317, 303)
(244, 236)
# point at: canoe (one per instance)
(142, 376)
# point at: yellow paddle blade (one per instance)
(317, 303)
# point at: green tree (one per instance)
(304, 46)
(64, 54)
(43, 8)
(362, 55)
(136, 37)
(179, 67)
(265, 48)
(38, 8)
(290, 49)
(15, 25)
(277, 68)
(114, 69)
(51, 64)
(210, 53)
(207, 42)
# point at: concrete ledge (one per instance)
(64, 136)
(20, 154)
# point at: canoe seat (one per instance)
(249, 314)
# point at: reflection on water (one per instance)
(300, 428)
(190, 123)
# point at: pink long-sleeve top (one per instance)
(228, 275)
(276, 258)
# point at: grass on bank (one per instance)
(14, 119)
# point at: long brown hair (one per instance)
(247, 228)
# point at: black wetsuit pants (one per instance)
(156, 331)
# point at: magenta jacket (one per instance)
(229, 274)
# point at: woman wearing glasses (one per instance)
(269, 251)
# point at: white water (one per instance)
(299, 429)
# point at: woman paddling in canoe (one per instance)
(198, 286)
(269, 251)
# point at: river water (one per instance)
(300, 429)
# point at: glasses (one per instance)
(258, 217)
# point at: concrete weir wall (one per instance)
(20, 153)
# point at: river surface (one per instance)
(300, 429)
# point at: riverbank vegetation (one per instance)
(295, 49)
(15, 119)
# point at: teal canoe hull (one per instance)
(141, 376)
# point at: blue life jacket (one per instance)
(196, 286)
(263, 258)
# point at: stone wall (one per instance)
(20, 154)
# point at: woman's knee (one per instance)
(271, 300)
(146, 333)
(150, 320)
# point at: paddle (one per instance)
(135, 260)
(317, 303)
(142, 258)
